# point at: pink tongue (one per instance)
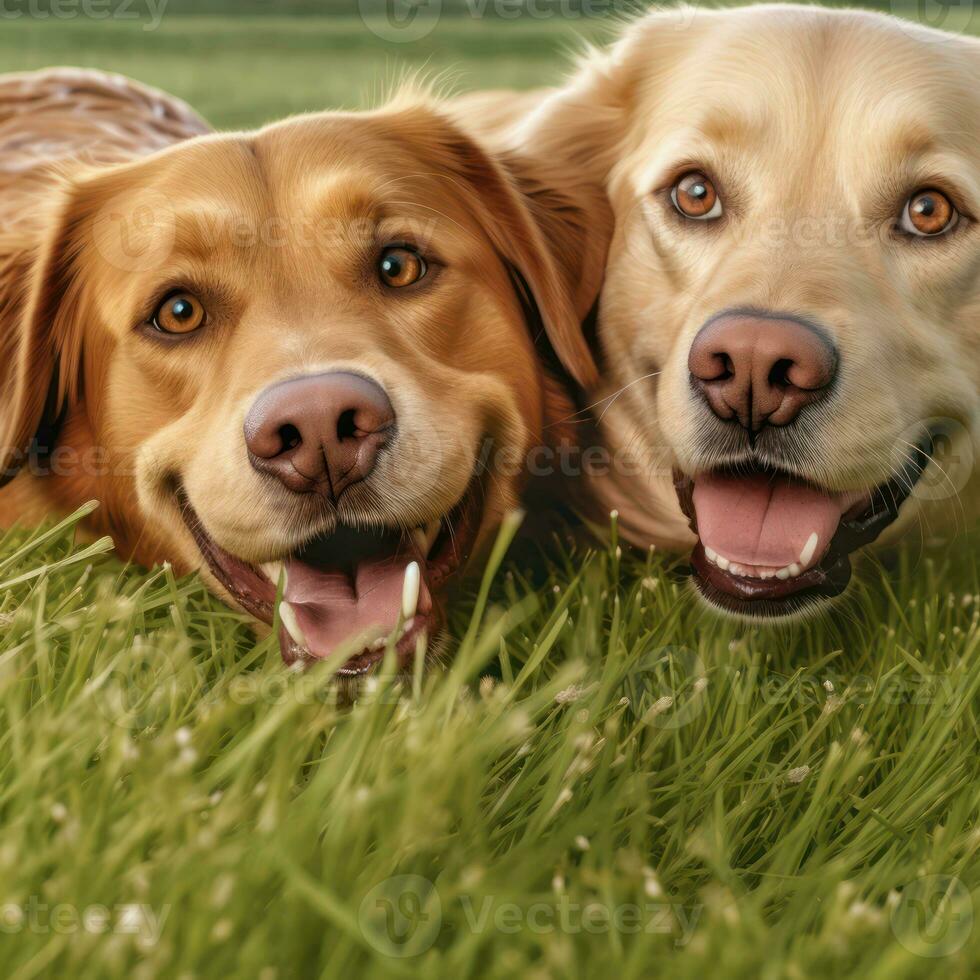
(763, 520)
(333, 606)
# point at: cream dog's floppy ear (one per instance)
(40, 341)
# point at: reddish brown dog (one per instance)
(276, 357)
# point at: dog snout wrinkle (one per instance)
(761, 369)
(319, 433)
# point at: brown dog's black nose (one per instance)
(761, 369)
(319, 433)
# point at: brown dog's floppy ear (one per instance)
(40, 343)
(494, 197)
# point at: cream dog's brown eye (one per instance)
(695, 197)
(929, 213)
(179, 314)
(401, 266)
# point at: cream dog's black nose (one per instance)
(320, 433)
(761, 369)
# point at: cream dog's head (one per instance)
(791, 313)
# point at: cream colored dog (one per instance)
(789, 324)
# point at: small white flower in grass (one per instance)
(187, 757)
(471, 877)
(361, 795)
(650, 583)
(966, 601)
(182, 736)
(569, 694)
(624, 702)
(828, 686)
(833, 703)
(651, 884)
(13, 915)
(222, 930)
(797, 775)
(700, 684)
(215, 797)
(619, 552)
(558, 882)
(659, 707)
(487, 685)
(59, 812)
(224, 885)
(582, 842)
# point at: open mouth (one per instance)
(771, 544)
(373, 586)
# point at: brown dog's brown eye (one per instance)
(929, 213)
(695, 197)
(401, 266)
(180, 313)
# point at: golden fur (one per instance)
(278, 232)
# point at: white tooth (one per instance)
(378, 644)
(783, 574)
(410, 590)
(272, 571)
(417, 534)
(794, 570)
(809, 549)
(288, 616)
(711, 555)
(722, 562)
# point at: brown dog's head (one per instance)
(286, 350)
(791, 312)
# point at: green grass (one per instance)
(248, 71)
(771, 804)
(763, 799)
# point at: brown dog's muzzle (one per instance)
(761, 369)
(320, 433)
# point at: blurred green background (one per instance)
(244, 63)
